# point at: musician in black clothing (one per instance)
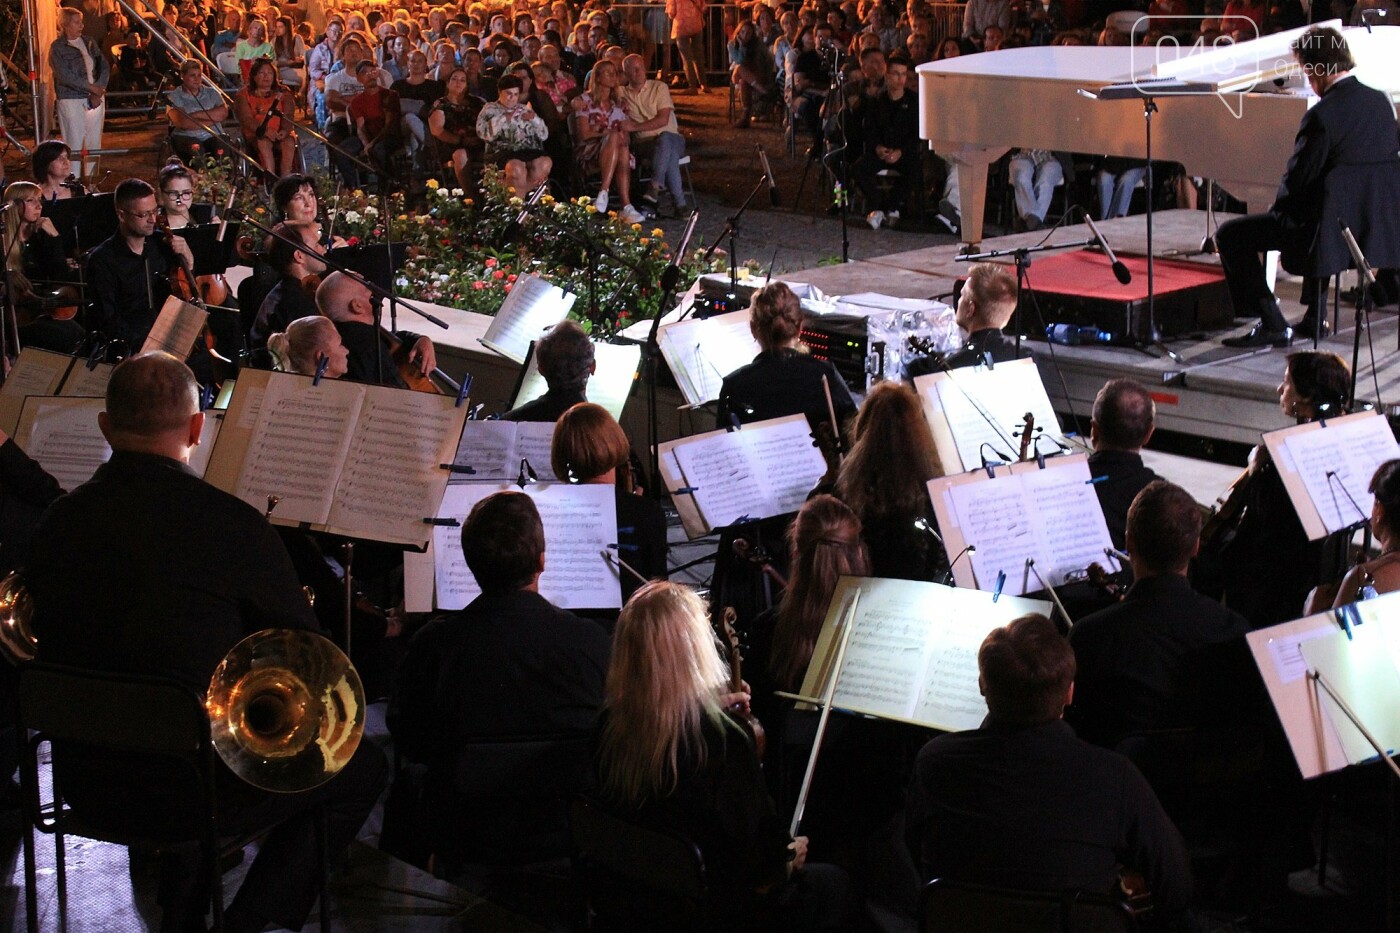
(1123, 422)
(1134, 657)
(565, 358)
(350, 305)
(987, 304)
(782, 379)
(289, 300)
(1344, 167)
(128, 274)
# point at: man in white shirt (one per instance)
(654, 129)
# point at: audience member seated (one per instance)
(670, 757)
(810, 79)
(1134, 658)
(417, 94)
(253, 47)
(195, 108)
(884, 479)
(263, 109)
(1382, 575)
(750, 69)
(590, 447)
(134, 64)
(1034, 175)
(375, 115)
(515, 137)
(655, 133)
(307, 343)
(783, 379)
(508, 666)
(52, 166)
(565, 358)
(892, 146)
(351, 306)
(1117, 178)
(555, 79)
(342, 87)
(602, 143)
(1022, 803)
(1122, 423)
(293, 296)
(452, 125)
(290, 54)
(557, 144)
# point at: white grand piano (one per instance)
(975, 108)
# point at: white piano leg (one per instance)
(972, 188)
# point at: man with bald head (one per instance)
(148, 570)
(655, 133)
(350, 305)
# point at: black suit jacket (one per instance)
(1344, 166)
(1124, 477)
(780, 383)
(547, 407)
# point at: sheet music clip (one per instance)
(1347, 619)
(734, 423)
(271, 504)
(442, 522)
(684, 491)
(462, 392)
(1040, 459)
(495, 417)
(624, 547)
(527, 474)
(475, 413)
(987, 359)
(206, 398)
(1001, 582)
(322, 362)
(458, 468)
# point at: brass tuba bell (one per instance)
(17, 641)
(286, 710)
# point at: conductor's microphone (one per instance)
(948, 577)
(768, 173)
(1120, 271)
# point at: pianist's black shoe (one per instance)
(1259, 337)
(1305, 328)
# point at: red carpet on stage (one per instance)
(1087, 273)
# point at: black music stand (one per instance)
(83, 222)
(1147, 91)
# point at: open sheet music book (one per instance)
(580, 522)
(609, 386)
(912, 654)
(955, 404)
(1327, 465)
(702, 352)
(723, 477)
(495, 448)
(1049, 514)
(356, 460)
(532, 307)
(63, 436)
(1320, 736)
(176, 328)
(43, 372)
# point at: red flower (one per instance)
(353, 241)
(491, 262)
(498, 274)
(511, 277)
(507, 289)
(478, 284)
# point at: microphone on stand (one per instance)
(228, 207)
(768, 173)
(948, 577)
(1362, 266)
(672, 272)
(513, 228)
(1120, 271)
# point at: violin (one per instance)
(1027, 436)
(1101, 580)
(185, 286)
(407, 369)
(1225, 515)
(736, 680)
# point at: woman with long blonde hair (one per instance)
(669, 756)
(884, 479)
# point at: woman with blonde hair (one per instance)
(38, 272)
(589, 447)
(669, 756)
(782, 380)
(884, 479)
(305, 343)
(602, 143)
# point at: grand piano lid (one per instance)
(1240, 66)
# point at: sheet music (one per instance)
(579, 523)
(994, 519)
(63, 436)
(199, 457)
(1363, 670)
(392, 478)
(1287, 653)
(1069, 520)
(912, 653)
(532, 307)
(302, 435)
(781, 452)
(494, 450)
(609, 386)
(1005, 393)
(85, 382)
(36, 372)
(1350, 451)
(176, 329)
(724, 485)
(702, 352)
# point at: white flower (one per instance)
(371, 211)
(559, 208)
(353, 217)
(401, 282)
(458, 193)
(442, 277)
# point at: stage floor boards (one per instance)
(1212, 392)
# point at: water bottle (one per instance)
(1074, 335)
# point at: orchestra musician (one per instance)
(296, 201)
(123, 581)
(128, 273)
(1381, 575)
(293, 296)
(783, 379)
(52, 165)
(986, 306)
(175, 182)
(1344, 163)
(1262, 559)
(350, 305)
(36, 271)
(1021, 802)
(305, 343)
(1122, 423)
(565, 358)
(668, 756)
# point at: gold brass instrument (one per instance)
(17, 641)
(286, 710)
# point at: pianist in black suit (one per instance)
(1344, 165)
(782, 380)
